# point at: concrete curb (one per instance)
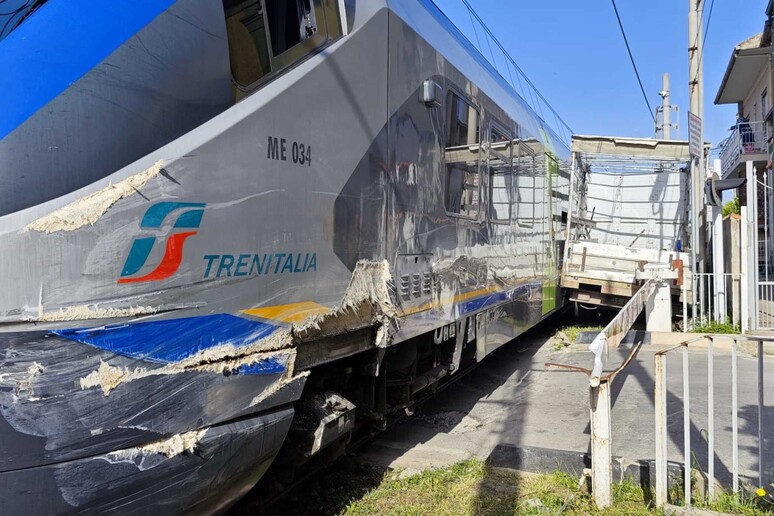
(533, 459)
(545, 460)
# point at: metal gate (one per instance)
(759, 223)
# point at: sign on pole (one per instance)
(694, 135)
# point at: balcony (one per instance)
(747, 144)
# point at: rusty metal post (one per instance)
(601, 445)
(661, 430)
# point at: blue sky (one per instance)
(573, 51)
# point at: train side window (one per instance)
(525, 186)
(248, 46)
(500, 175)
(265, 36)
(462, 157)
(291, 22)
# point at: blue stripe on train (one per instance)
(59, 44)
(176, 339)
(487, 300)
(173, 340)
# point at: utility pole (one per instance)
(696, 94)
(666, 127)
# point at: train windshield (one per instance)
(265, 36)
(14, 12)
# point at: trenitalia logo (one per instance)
(187, 215)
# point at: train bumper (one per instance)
(77, 437)
(206, 474)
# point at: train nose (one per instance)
(85, 428)
(202, 471)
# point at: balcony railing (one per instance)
(746, 139)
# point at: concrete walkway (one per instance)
(513, 402)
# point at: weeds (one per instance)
(567, 335)
(716, 327)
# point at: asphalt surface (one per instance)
(513, 400)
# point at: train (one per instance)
(238, 232)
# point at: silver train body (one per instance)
(216, 216)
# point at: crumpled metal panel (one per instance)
(204, 475)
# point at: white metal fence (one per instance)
(661, 413)
(765, 253)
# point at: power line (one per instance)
(637, 73)
(706, 30)
(507, 55)
(709, 19)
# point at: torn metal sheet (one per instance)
(169, 447)
(108, 377)
(89, 209)
(85, 312)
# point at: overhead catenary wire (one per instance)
(634, 65)
(508, 57)
(706, 31)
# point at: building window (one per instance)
(461, 157)
(500, 176)
(764, 103)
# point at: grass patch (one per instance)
(736, 504)
(573, 332)
(473, 487)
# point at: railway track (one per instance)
(258, 502)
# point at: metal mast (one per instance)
(696, 94)
(666, 109)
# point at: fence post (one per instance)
(710, 420)
(760, 413)
(601, 448)
(734, 420)
(661, 431)
(686, 426)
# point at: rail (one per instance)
(745, 139)
(661, 414)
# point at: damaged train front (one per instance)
(128, 380)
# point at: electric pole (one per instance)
(696, 94)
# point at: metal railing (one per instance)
(661, 414)
(746, 138)
(600, 418)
